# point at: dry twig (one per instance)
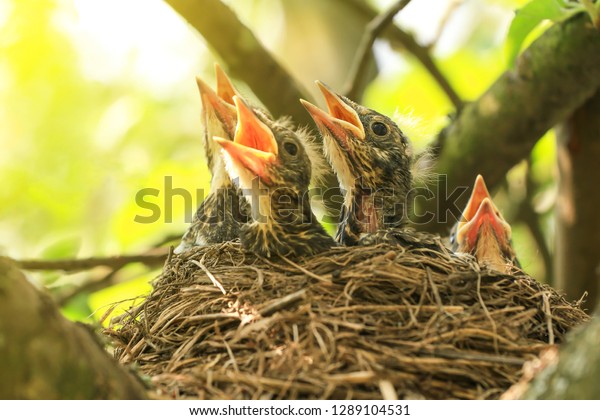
(397, 36)
(372, 31)
(82, 264)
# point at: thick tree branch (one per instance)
(577, 246)
(116, 264)
(45, 356)
(245, 57)
(575, 373)
(552, 78)
(361, 59)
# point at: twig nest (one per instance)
(374, 322)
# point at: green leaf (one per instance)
(531, 16)
(77, 309)
(63, 248)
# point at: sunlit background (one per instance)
(99, 101)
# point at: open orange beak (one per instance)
(225, 89)
(215, 107)
(341, 120)
(480, 192)
(254, 145)
(486, 221)
(483, 232)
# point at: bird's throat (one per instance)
(368, 215)
(283, 224)
(489, 251)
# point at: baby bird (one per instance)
(483, 232)
(372, 160)
(223, 211)
(273, 166)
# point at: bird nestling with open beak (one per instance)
(273, 165)
(223, 211)
(372, 160)
(483, 232)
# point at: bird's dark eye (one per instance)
(291, 148)
(379, 128)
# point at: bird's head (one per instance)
(479, 193)
(363, 146)
(265, 150)
(487, 237)
(483, 232)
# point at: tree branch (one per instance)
(398, 37)
(372, 31)
(92, 285)
(83, 264)
(455, 4)
(245, 57)
(552, 78)
(45, 356)
(560, 380)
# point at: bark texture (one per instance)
(577, 248)
(555, 76)
(45, 356)
(576, 376)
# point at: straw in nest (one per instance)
(353, 323)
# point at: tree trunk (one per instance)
(576, 374)
(577, 254)
(45, 356)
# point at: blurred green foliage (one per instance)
(531, 16)
(99, 102)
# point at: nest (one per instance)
(382, 321)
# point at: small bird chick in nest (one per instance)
(372, 159)
(483, 232)
(223, 211)
(273, 165)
